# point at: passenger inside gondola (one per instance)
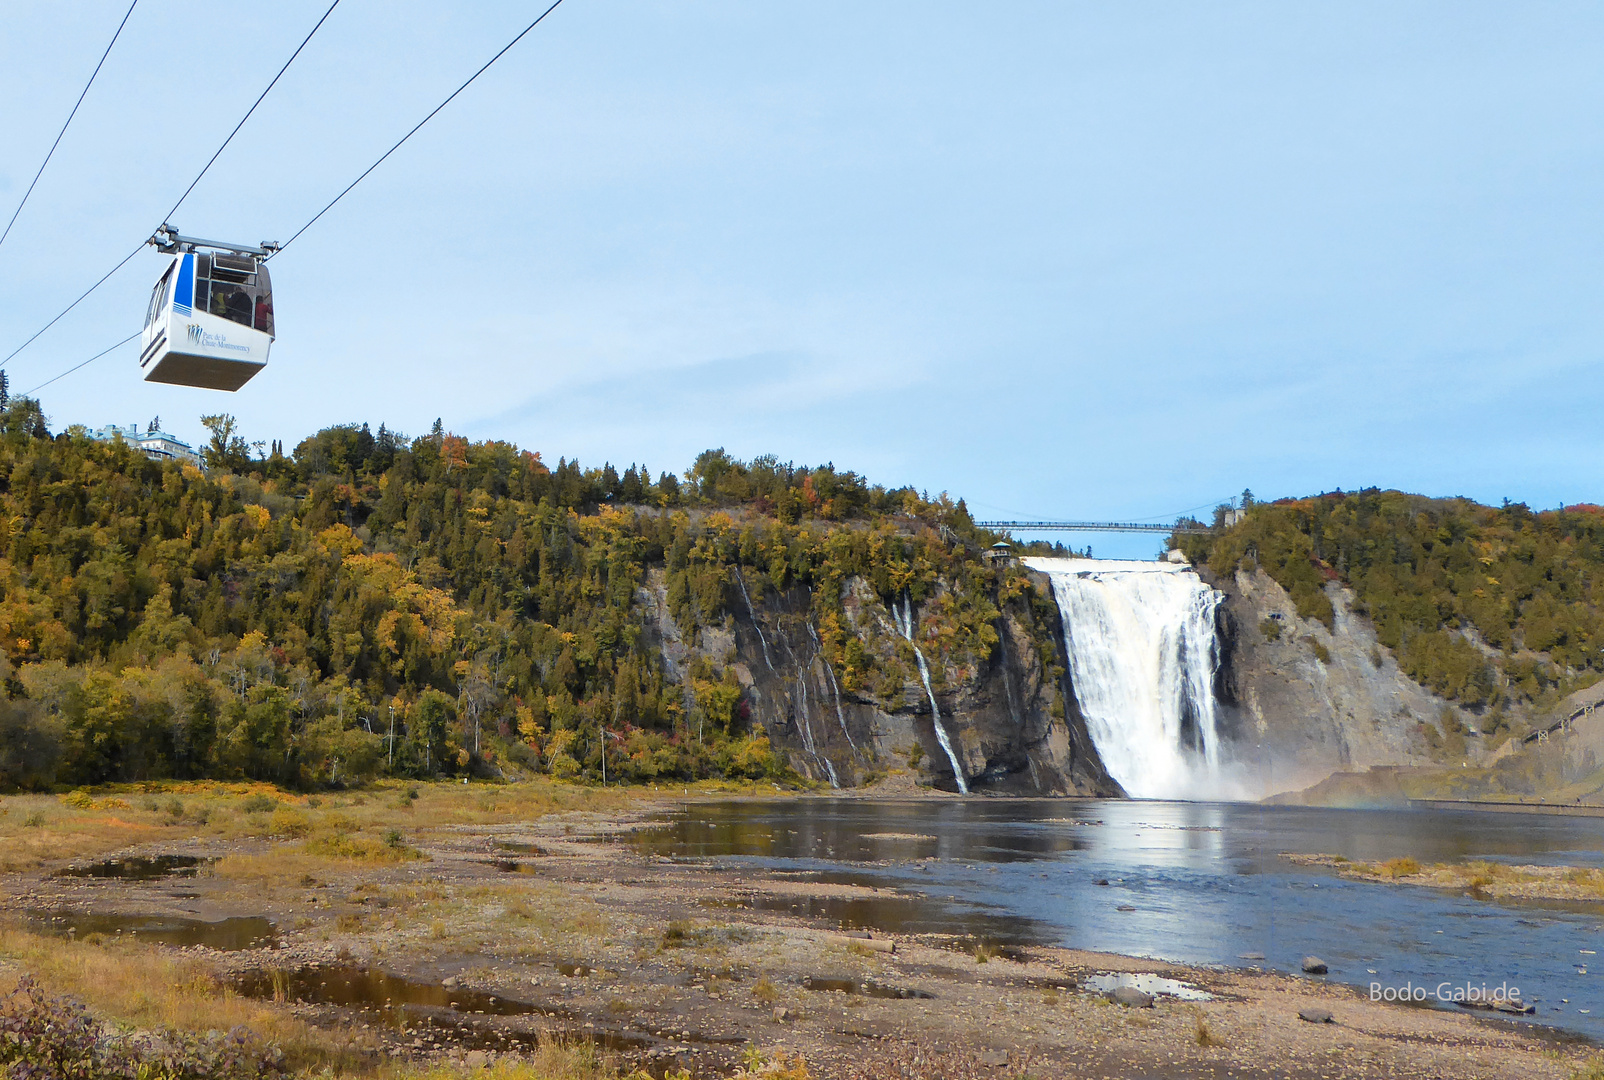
(239, 307)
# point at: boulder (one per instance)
(1313, 965)
(1316, 1016)
(994, 1059)
(1130, 997)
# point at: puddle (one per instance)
(436, 1015)
(892, 915)
(355, 987)
(1147, 984)
(225, 935)
(574, 971)
(866, 987)
(519, 847)
(139, 867)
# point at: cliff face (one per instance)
(1308, 702)
(1008, 715)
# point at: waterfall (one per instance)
(1143, 653)
(818, 647)
(752, 613)
(805, 726)
(905, 624)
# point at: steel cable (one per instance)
(64, 126)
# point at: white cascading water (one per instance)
(905, 624)
(1143, 653)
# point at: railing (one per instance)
(1092, 526)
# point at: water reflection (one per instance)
(139, 867)
(225, 935)
(1190, 882)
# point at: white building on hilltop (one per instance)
(156, 444)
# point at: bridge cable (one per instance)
(504, 49)
(64, 126)
(210, 161)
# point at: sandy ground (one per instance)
(698, 964)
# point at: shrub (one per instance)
(1402, 867)
(359, 847)
(258, 803)
(288, 822)
(1271, 629)
(48, 1037)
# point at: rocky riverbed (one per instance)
(505, 930)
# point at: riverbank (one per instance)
(452, 927)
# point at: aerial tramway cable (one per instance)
(206, 168)
(52, 151)
(84, 363)
(314, 219)
(504, 49)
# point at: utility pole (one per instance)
(392, 737)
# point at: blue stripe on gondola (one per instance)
(184, 291)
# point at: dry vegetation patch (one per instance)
(1482, 877)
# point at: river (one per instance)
(1197, 883)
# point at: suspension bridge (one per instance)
(1091, 526)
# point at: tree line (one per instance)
(374, 604)
(1494, 607)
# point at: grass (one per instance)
(1593, 1069)
(1483, 877)
(1202, 1034)
(40, 829)
(152, 988)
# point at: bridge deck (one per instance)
(1091, 526)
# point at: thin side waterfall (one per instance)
(1143, 654)
(905, 624)
(834, 688)
(805, 726)
(740, 580)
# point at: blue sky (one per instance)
(1085, 260)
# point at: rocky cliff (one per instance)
(1326, 716)
(1007, 710)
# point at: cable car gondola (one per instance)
(210, 320)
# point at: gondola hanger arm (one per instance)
(169, 241)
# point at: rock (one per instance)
(1250, 956)
(1316, 1016)
(781, 1014)
(993, 1059)
(1313, 965)
(1102, 881)
(450, 982)
(1512, 1006)
(476, 1059)
(1126, 907)
(1131, 997)
(879, 945)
